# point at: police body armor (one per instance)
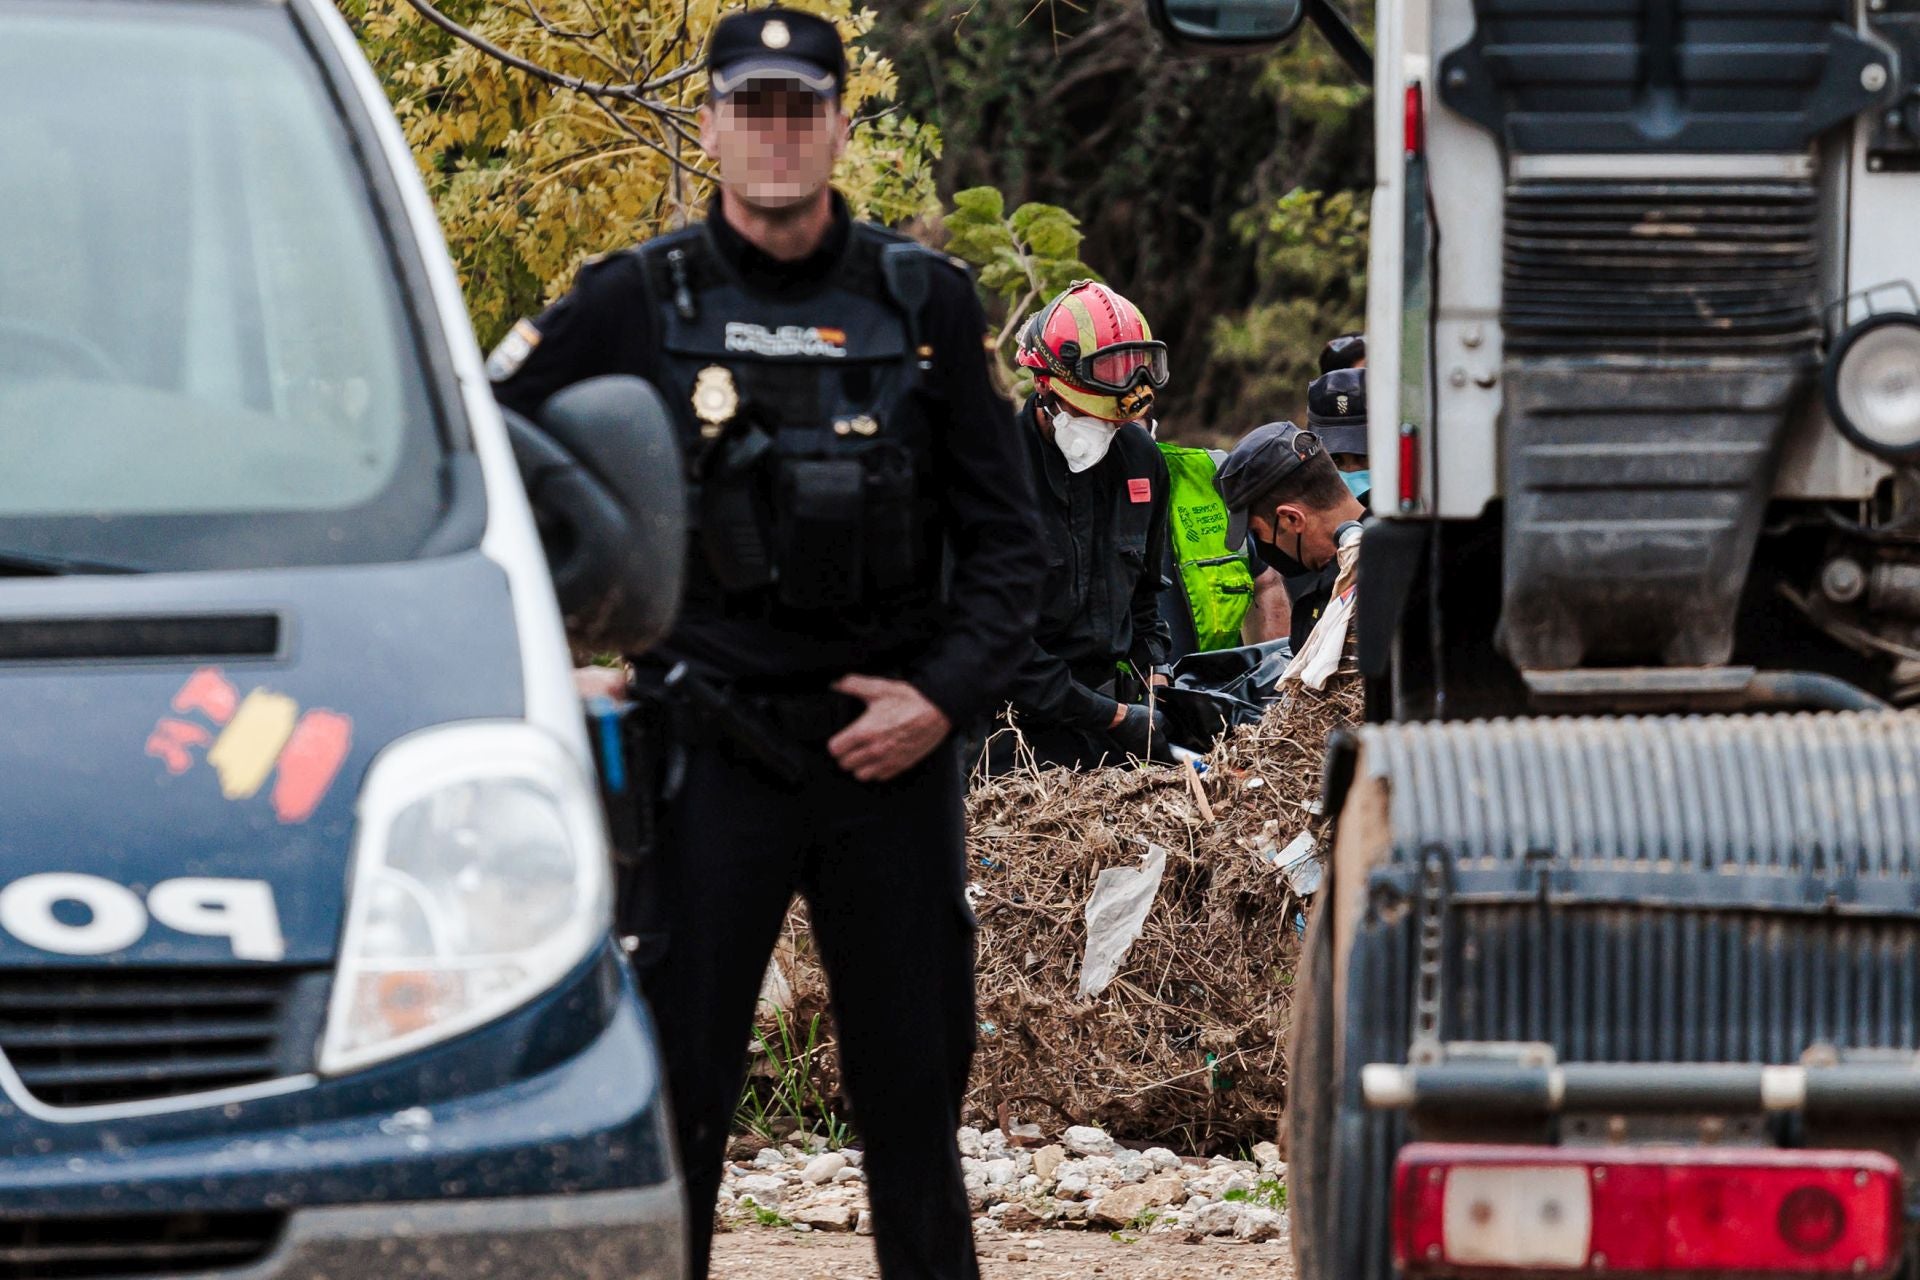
(808, 449)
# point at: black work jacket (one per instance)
(1105, 533)
(957, 646)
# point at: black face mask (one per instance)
(1287, 566)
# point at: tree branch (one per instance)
(1015, 315)
(627, 126)
(634, 93)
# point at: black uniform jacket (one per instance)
(958, 647)
(1105, 532)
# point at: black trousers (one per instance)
(883, 871)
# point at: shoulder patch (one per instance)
(512, 351)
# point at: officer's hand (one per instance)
(600, 682)
(898, 730)
(1142, 732)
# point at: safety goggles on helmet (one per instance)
(1119, 368)
(1091, 349)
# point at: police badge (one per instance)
(715, 400)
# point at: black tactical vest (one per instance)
(809, 455)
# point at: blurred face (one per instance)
(775, 143)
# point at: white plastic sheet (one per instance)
(1301, 865)
(1116, 913)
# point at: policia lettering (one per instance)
(806, 447)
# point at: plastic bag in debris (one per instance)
(1301, 865)
(1212, 692)
(1116, 912)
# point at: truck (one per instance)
(1619, 967)
(306, 961)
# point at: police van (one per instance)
(305, 958)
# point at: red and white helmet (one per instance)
(1091, 350)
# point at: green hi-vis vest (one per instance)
(1214, 575)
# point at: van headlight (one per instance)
(1873, 386)
(480, 879)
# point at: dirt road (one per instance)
(778, 1254)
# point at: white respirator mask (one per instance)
(1082, 441)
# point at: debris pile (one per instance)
(1177, 1036)
(1084, 1182)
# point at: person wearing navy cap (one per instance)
(1337, 413)
(1296, 505)
(864, 575)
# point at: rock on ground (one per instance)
(1082, 1140)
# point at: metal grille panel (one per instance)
(98, 1036)
(99, 1248)
(1835, 797)
(1683, 986)
(1664, 268)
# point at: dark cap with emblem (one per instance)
(1265, 457)
(1337, 410)
(1343, 352)
(780, 45)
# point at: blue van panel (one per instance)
(108, 768)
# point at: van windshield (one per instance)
(205, 357)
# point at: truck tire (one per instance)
(1310, 1098)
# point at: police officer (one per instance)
(1296, 503)
(1337, 413)
(847, 456)
(1103, 490)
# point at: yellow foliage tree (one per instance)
(551, 130)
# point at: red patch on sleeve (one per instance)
(312, 757)
(1140, 489)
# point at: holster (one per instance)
(634, 748)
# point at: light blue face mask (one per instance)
(1358, 482)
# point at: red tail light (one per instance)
(1409, 467)
(1466, 1210)
(1416, 121)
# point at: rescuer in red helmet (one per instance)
(1103, 488)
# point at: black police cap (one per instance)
(1337, 410)
(776, 44)
(1343, 352)
(1265, 457)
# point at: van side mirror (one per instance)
(1226, 24)
(603, 471)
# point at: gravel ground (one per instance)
(769, 1253)
(1081, 1206)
